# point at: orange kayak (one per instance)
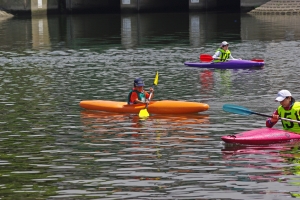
(154, 107)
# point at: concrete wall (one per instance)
(39, 7)
(153, 5)
(35, 7)
(42, 7)
(16, 5)
(96, 5)
(202, 4)
(101, 6)
(129, 5)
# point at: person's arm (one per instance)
(272, 121)
(231, 58)
(148, 94)
(216, 56)
(134, 98)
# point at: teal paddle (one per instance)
(144, 112)
(244, 111)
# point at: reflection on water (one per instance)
(271, 27)
(145, 149)
(40, 32)
(272, 164)
(52, 149)
(161, 125)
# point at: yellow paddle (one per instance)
(144, 112)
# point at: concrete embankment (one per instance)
(5, 14)
(279, 7)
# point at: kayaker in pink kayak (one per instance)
(288, 108)
(137, 94)
(222, 54)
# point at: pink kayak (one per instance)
(261, 136)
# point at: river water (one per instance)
(53, 149)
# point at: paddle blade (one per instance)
(236, 109)
(206, 58)
(257, 60)
(155, 82)
(143, 113)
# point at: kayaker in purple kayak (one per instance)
(222, 54)
(288, 108)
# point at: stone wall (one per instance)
(281, 7)
(248, 5)
(253, 3)
(4, 14)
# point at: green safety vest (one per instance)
(290, 114)
(141, 96)
(224, 55)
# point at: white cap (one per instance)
(282, 94)
(224, 43)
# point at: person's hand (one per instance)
(151, 89)
(274, 118)
(140, 101)
(147, 101)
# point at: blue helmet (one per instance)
(138, 82)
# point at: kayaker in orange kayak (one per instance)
(222, 54)
(288, 108)
(137, 94)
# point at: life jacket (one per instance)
(293, 113)
(141, 96)
(224, 55)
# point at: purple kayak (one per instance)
(261, 136)
(230, 64)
